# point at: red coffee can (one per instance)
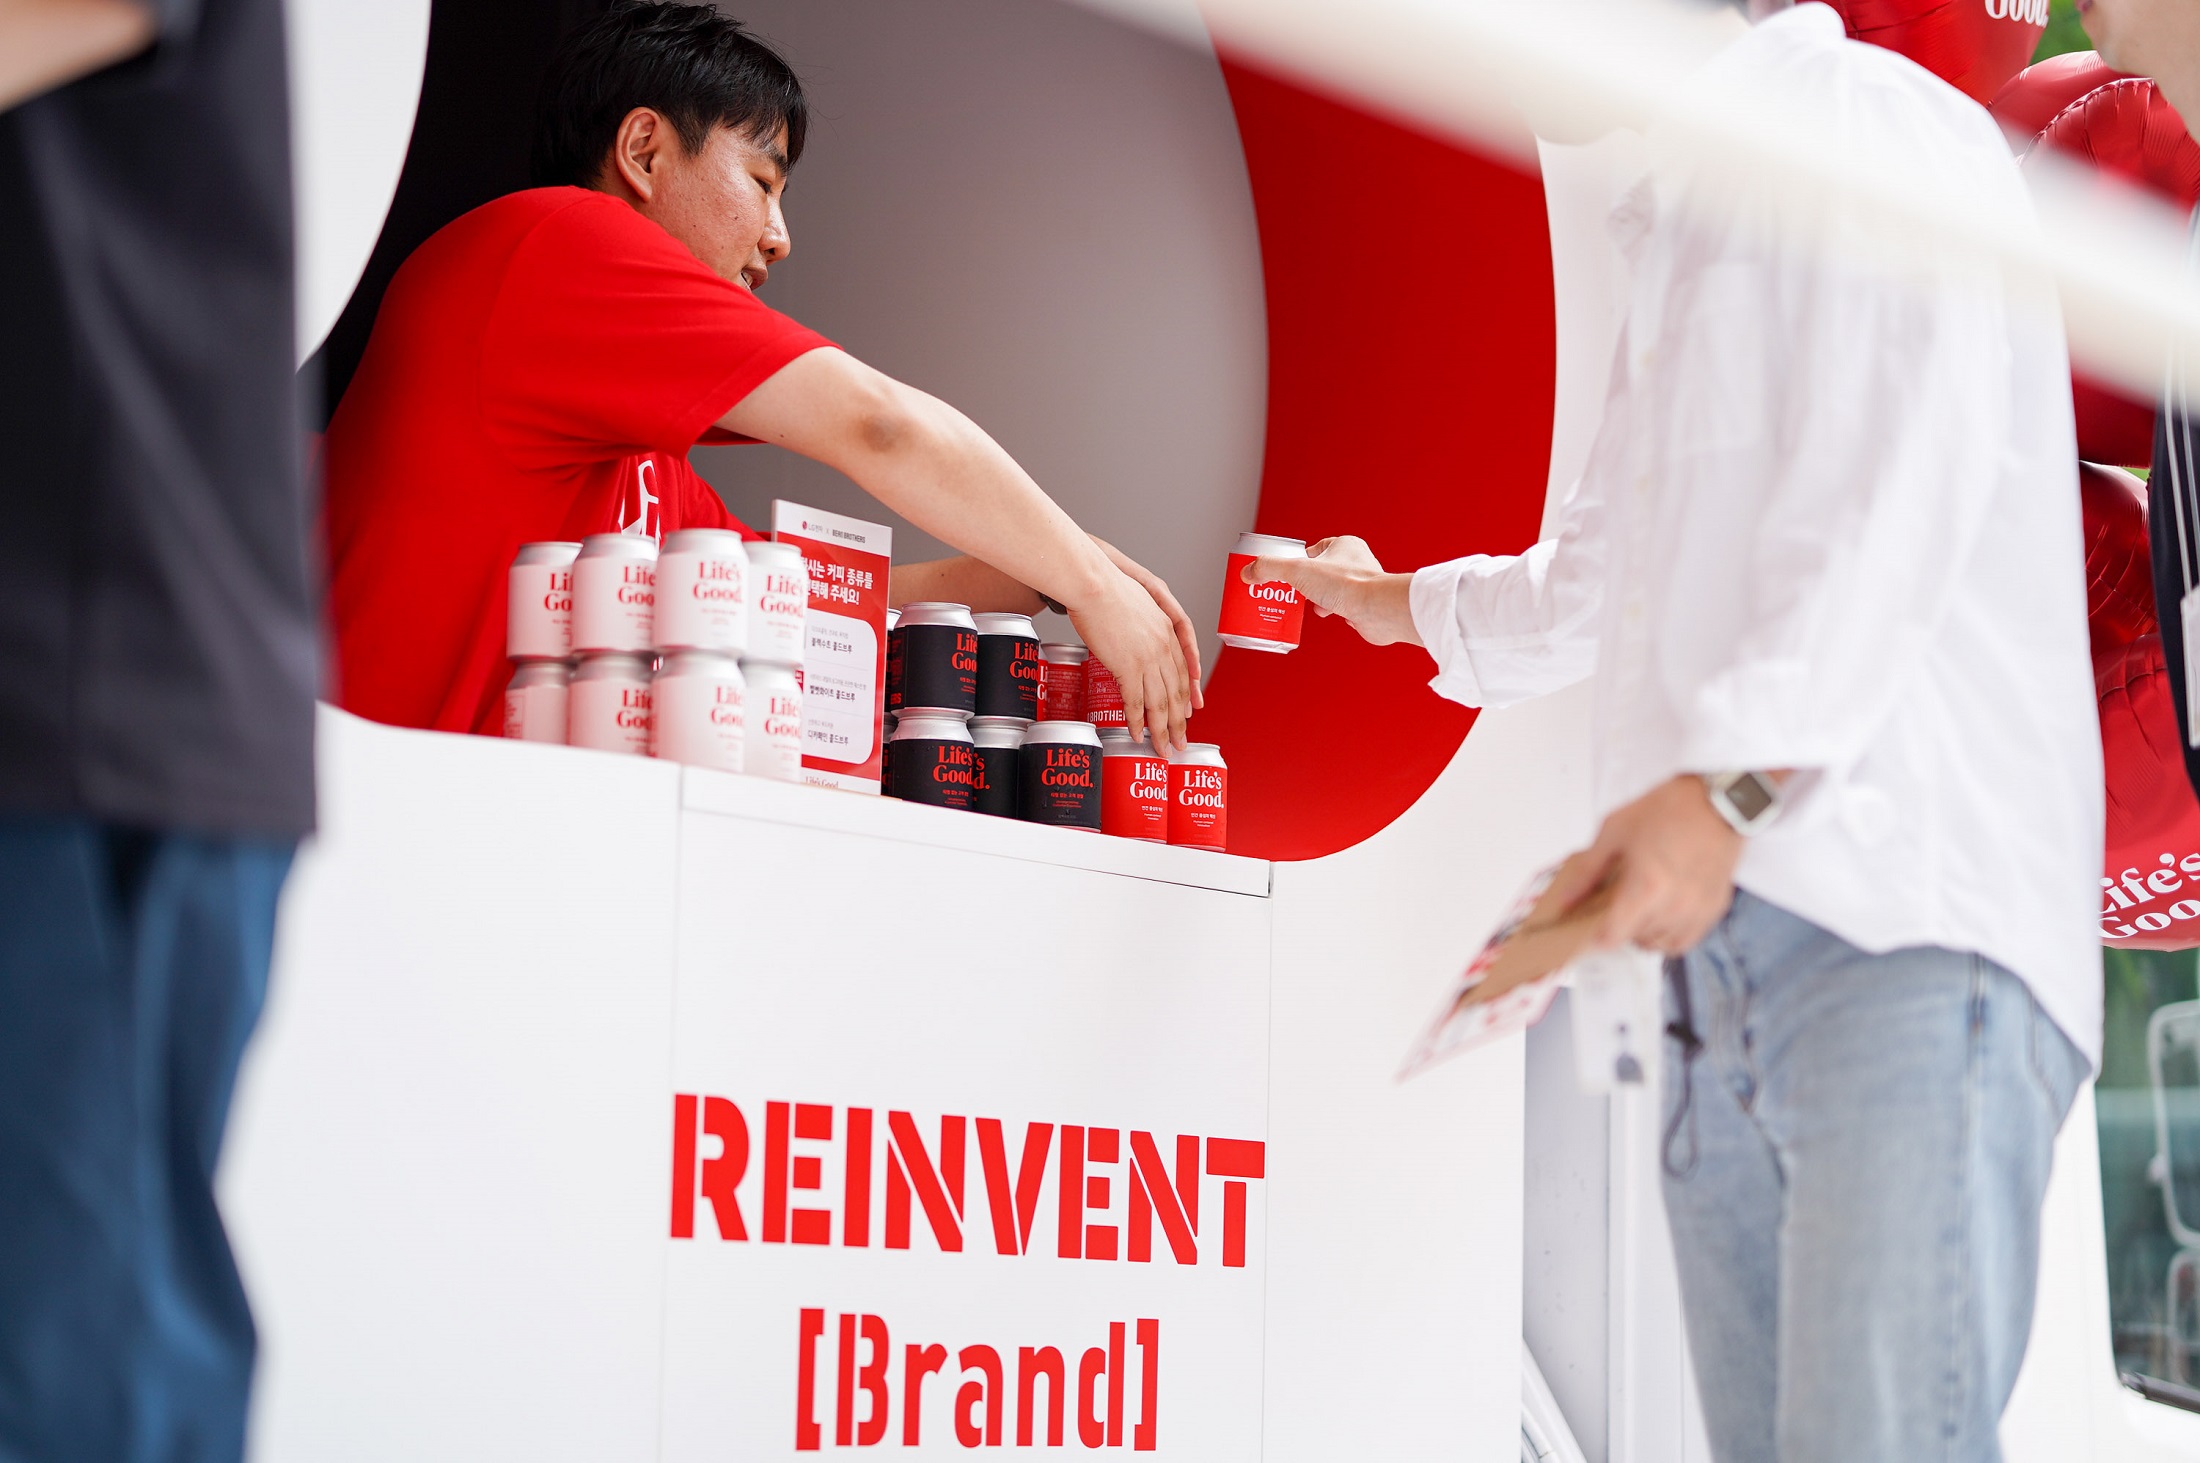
(1062, 682)
(1199, 797)
(1134, 789)
(1103, 696)
(1261, 616)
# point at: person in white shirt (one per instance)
(1824, 569)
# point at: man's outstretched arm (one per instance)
(933, 466)
(49, 43)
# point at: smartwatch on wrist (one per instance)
(1749, 801)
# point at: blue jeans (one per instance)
(132, 966)
(1855, 1163)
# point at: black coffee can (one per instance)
(936, 648)
(1058, 775)
(1008, 666)
(996, 739)
(934, 762)
(893, 669)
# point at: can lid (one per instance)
(764, 548)
(1273, 545)
(611, 665)
(1002, 622)
(758, 665)
(618, 546)
(549, 551)
(955, 711)
(1116, 741)
(1198, 754)
(1062, 650)
(541, 673)
(930, 726)
(1081, 733)
(998, 731)
(724, 540)
(939, 612)
(699, 663)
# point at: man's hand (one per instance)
(1670, 859)
(1340, 576)
(1187, 638)
(49, 43)
(1132, 636)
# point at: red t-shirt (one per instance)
(539, 370)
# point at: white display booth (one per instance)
(576, 1068)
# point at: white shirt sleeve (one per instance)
(1506, 628)
(1885, 409)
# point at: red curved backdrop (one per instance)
(1411, 364)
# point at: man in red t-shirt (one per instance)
(540, 368)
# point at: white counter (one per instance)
(478, 1180)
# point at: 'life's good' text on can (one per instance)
(614, 594)
(1134, 791)
(1008, 666)
(538, 617)
(934, 761)
(772, 712)
(1261, 616)
(608, 704)
(997, 739)
(1199, 797)
(779, 602)
(702, 592)
(1062, 682)
(697, 712)
(1058, 775)
(534, 703)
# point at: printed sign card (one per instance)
(844, 659)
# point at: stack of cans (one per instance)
(984, 716)
(691, 653)
(538, 636)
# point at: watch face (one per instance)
(1749, 796)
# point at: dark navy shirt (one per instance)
(157, 636)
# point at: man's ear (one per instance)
(637, 151)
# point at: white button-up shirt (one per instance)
(1830, 522)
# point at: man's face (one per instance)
(724, 201)
(2145, 37)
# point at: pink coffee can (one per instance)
(779, 603)
(534, 702)
(538, 617)
(607, 704)
(1103, 696)
(702, 592)
(1199, 797)
(1062, 681)
(1261, 616)
(614, 594)
(696, 711)
(774, 719)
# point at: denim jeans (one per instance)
(1855, 1162)
(132, 966)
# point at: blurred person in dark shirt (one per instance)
(157, 671)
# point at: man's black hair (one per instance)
(702, 70)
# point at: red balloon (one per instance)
(2119, 579)
(2128, 128)
(2036, 94)
(2152, 877)
(1973, 45)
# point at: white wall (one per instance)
(354, 87)
(1042, 217)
